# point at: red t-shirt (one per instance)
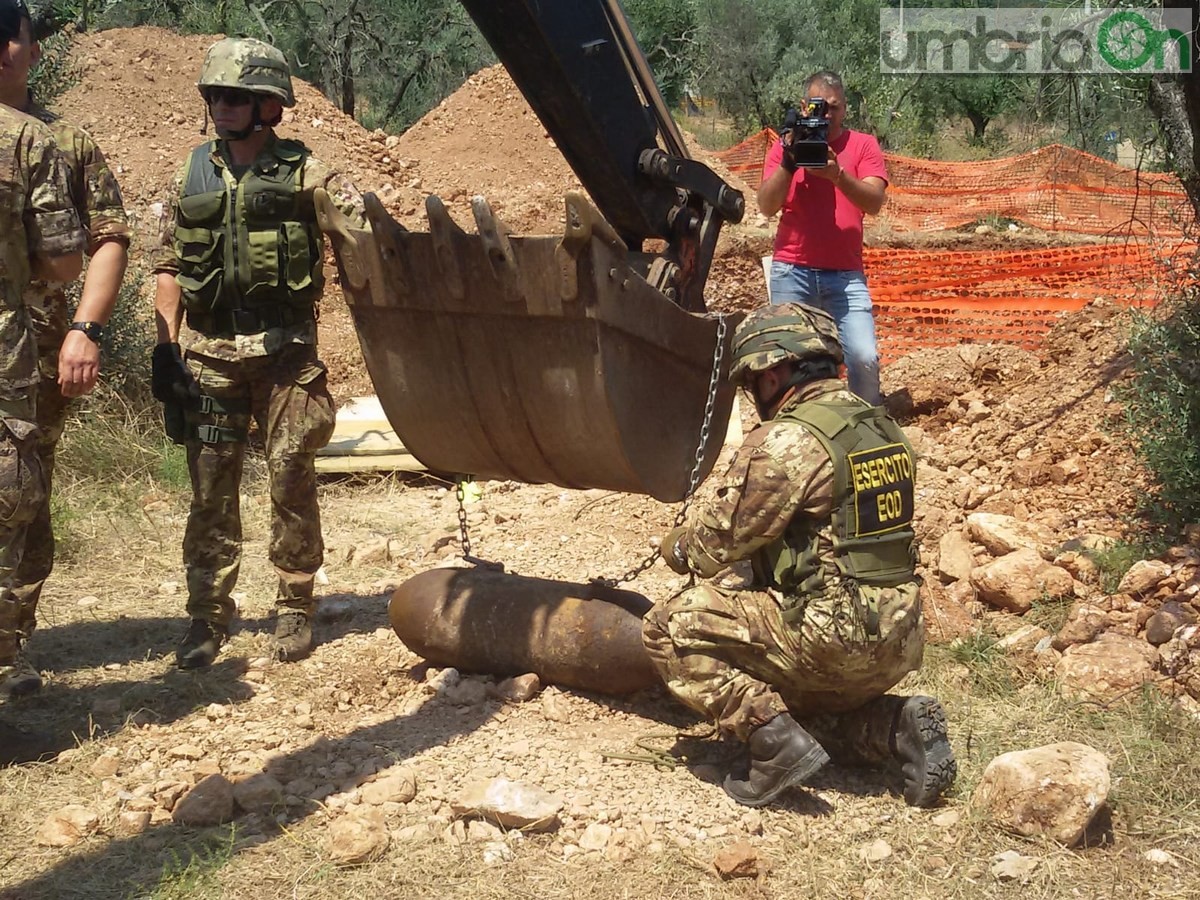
(818, 225)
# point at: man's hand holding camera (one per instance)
(831, 171)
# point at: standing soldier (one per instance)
(43, 239)
(241, 256)
(820, 499)
(68, 351)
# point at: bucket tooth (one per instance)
(446, 235)
(493, 235)
(346, 244)
(387, 234)
(583, 221)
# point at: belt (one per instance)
(252, 320)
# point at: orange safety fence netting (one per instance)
(933, 298)
(1054, 188)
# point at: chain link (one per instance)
(714, 383)
(464, 537)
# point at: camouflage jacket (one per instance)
(316, 174)
(37, 218)
(781, 471)
(96, 196)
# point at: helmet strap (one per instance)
(256, 124)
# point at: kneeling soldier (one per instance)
(820, 499)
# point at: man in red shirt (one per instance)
(818, 245)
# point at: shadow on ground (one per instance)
(67, 713)
(133, 866)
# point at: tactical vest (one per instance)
(873, 490)
(247, 246)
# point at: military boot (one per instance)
(199, 646)
(921, 744)
(781, 754)
(293, 635)
(909, 731)
(20, 678)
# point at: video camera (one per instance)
(806, 137)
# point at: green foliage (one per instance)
(66, 523)
(986, 662)
(195, 876)
(1115, 560)
(188, 16)
(129, 339)
(1049, 613)
(1162, 407)
(665, 31)
(115, 435)
(55, 74)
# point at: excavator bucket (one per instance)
(540, 359)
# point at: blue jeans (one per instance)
(843, 294)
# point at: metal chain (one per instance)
(463, 537)
(714, 383)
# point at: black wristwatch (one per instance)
(94, 330)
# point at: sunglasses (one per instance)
(228, 96)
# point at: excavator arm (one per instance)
(583, 360)
(582, 73)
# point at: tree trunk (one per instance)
(348, 97)
(979, 122)
(1188, 85)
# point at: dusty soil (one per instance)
(136, 733)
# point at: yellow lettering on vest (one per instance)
(860, 481)
(890, 506)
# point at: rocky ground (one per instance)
(360, 769)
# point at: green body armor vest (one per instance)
(873, 492)
(247, 251)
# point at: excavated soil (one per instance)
(998, 430)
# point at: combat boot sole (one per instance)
(923, 749)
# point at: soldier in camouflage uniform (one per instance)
(40, 236)
(68, 350)
(819, 499)
(240, 269)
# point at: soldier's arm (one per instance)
(108, 242)
(168, 297)
(53, 227)
(777, 475)
(79, 355)
(168, 308)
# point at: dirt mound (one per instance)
(149, 76)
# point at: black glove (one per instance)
(170, 380)
(672, 552)
(790, 118)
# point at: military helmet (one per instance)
(775, 334)
(250, 65)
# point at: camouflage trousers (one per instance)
(734, 656)
(50, 325)
(22, 492)
(286, 394)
